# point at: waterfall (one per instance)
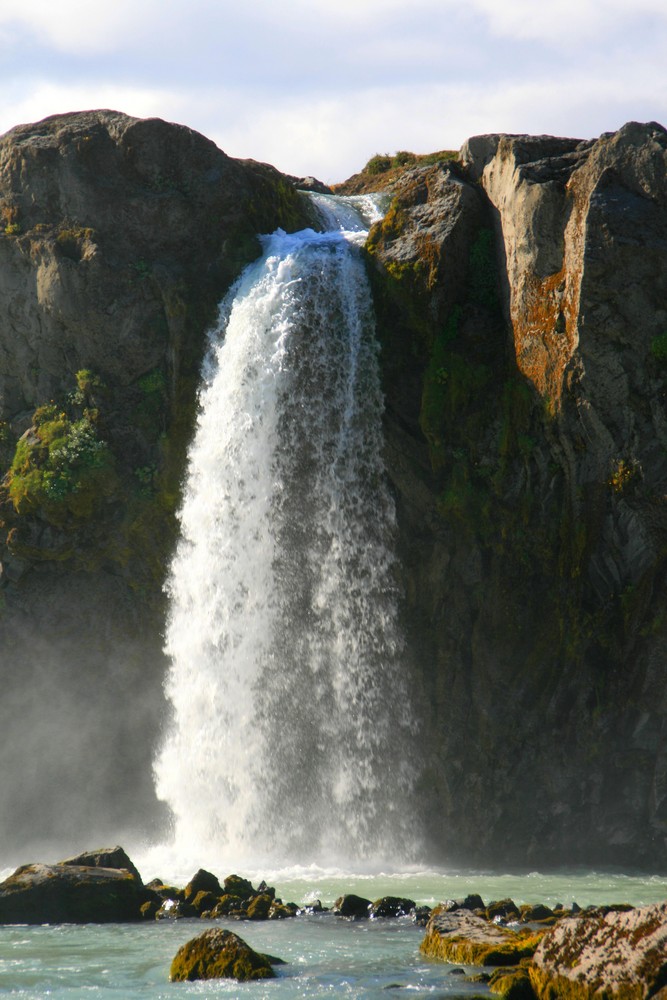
(291, 736)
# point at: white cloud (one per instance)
(317, 87)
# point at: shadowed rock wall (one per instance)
(522, 296)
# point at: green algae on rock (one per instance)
(219, 954)
(462, 936)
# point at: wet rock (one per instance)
(219, 954)
(392, 906)
(536, 914)
(618, 954)
(353, 906)
(462, 936)
(258, 907)
(470, 902)
(421, 915)
(234, 885)
(202, 881)
(48, 894)
(204, 902)
(229, 905)
(105, 857)
(281, 911)
(506, 909)
(175, 909)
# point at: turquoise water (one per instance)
(326, 955)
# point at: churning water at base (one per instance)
(291, 735)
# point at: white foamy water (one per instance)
(292, 732)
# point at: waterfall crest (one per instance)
(291, 737)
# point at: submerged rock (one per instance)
(219, 954)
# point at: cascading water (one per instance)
(292, 736)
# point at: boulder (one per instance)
(105, 857)
(353, 906)
(234, 885)
(49, 894)
(392, 906)
(505, 909)
(258, 907)
(219, 954)
(202, 881)
(618, 954)
(460, 936)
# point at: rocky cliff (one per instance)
(522, 297)
(118, 238)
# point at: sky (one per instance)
(317, 87)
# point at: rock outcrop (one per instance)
(521, 298)
(521, 295)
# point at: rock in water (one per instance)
(350, 905)
(105, 857)
(219, 954)
(616, 954)
(56, 894)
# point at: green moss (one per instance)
(512, 985)
(658, 347)
(63, 470)
(460, 949)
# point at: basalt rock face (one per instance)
(118, 238)
(522, 305)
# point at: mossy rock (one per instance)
(229, 904)
(219, 954)
(258, 908)
(202, 881)
(205, 901)
(234, 885)
(512, 985)
(463, 938)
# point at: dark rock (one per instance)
(234, 885)
(228, 905)
(219, 954)
(421, 915)
(109, 857)
(392, 906)
(279, 911)
(536, 913)
(521, 309)
(350, 905)
(258, 907)
(49, 894)
(470, 902)
(202, 881)
(204, 901)
(315, 907)
(175, 909)
(150, 909)
(506, 909)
